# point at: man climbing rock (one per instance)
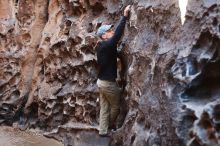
(109, 90)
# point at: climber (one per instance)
(109, 90)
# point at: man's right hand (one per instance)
(127, 10)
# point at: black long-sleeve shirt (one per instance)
(107, 54)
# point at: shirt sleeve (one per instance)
(119, 31)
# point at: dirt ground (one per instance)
(14, 137)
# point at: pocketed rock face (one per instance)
(47, 53)
(197, 71)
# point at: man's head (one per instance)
(105, 32)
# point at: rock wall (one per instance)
(49, 71)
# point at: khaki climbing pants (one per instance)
(110, 94)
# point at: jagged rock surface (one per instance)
(47, 53)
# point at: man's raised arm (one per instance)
(120, 28)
